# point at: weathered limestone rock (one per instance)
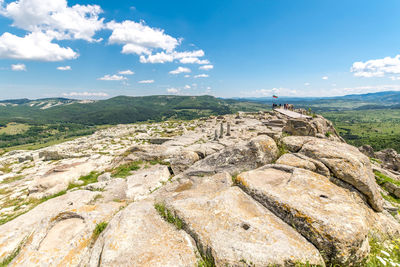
(183, 161)
(259, 151)
(295, 143)
(15, 232)
(104, 177)
(324, 213)
(51, 155)
(348, 164)
(390, 159)
(233, 229)
(143, 182)
(318, 126)
(367, 150)
(138, 236)
(66, 238)
(392, 188)
(304, 162)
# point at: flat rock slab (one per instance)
(138, 236)
(233, 229)
(16, 232)
(324, 213)
(143, 182)
(292, 114)
(65, 239)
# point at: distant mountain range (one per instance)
(124, 109)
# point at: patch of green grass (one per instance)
(374, 160)
(381, 179)
(12, 179)
(12, 256)
(327, 134)
(6, 168)
(160, 162)
(391, 198)
(125, 170)
(282, 149)
(383, 253)
(168, 215)
(87, 179)
(205, 262)
(98, 230)
(13, 128)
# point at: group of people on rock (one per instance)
(285, 106)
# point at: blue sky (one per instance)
(239, 48)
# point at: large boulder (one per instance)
(367, 150)
(390, 159)
(233, 229)
(259, 151)
(323, 212)
(318, 126)
(304, 162)
(348, 164)
(138, 236)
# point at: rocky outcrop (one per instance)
(233, 229)
(344, 162)
(321, 211)
(390, 159)
(138, 236)
(318, 126)
(244, 156)
(367, 150)
(180, 204)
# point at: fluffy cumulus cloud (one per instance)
(201, 76)
(173, 91)
(139, 38)
(146, 81)
(46, 21)
(33, 46)
(64, 68)
(18, 67)
(55, 18)
(207, 67)
(180, 70)
(112, 78)
(126, 72)
(325, 78)
(85, 94)
(377, 67)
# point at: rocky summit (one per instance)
(249, 189)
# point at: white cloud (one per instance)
(377, 67)
(395, 78)
(206, 67)
(33, 46)
(307, 84)
(172, 91)
(64, 68)
(139, 38)
(55, 18)
(180, 70)
(187, 76)
(85, 94)
(187, 57)
(187, 87)
(18, 67)
(112, 78)
(146, 81)
(201, 76)
(126, 72)
(325, 78)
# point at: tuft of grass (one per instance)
(168, 215)
(12, 179)
(6, 261)
(327, 134)
(87, 179)
(124, 170)
(6, 168)
(383, 253)
(98, 230)
(206, 262)
(381, 179)
(282, 149)
(374, 160)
